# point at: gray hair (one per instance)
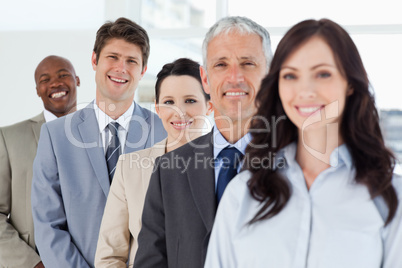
(241, 25)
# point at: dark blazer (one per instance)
(179, 209)
(71, 183)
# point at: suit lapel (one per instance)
(138, 131)
(201, 177)
(37, 123)
(89, 131)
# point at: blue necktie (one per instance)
(230, 158)
(113, 149)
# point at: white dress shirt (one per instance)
(335, 224)
(104, 120)
(48, 116)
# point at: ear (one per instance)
(143, 71)
(349, 91)
(157, 109)
(210, 107)
(78, 81)
(37, 92)
(204, 80)
(93, 60)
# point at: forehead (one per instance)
(52, 65)
(314, 51)
(117, 45)
(234, 44)
(179, 85)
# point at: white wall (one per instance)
(20, 53)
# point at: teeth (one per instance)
(58, 95)
(235, 93)
(117, 80)
(309, 109)
(181, 124)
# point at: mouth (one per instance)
(235, 94)
(309, 110)
(58, 95)
(181, 124)
(118, 80)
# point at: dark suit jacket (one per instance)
(179, 208)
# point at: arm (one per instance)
(151, 240)
(53, 240)
(114, 235)
(393, 233)
(13, 250)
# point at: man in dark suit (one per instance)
(56, 84)
(77, 154)
(186, 185)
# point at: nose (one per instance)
(307, 89)
(235, 74)
(55, 82)
(120, 66)
(180, 111)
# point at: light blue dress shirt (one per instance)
(335, 224)
(220, 143)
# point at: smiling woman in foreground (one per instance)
(330, 198)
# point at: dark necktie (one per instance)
(113, 149)
(230, 158)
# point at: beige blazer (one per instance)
(18, 145)
(121, 222)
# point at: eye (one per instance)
(132, 61)
(248, 63)
(64, 75)
(220, 64)
(44, 81)
(168, 102)
(112, 57)
(190, 101)
(324, 75)
(289, 76)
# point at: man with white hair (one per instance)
(187, 183)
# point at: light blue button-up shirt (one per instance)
(335, 224)
(220, 143)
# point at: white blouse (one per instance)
(335, 224)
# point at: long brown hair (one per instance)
(359, 125)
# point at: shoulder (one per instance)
(397, 183)
(21, 128)
(155, 151)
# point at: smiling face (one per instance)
(56, 85)
(118, 71)
(182, 108)
(310, 83)
(236, 65)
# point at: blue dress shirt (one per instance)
(220, 142)
(335, 224)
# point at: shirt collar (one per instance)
(104, 119)
(220, 142)
(49, 116)
(340, 155)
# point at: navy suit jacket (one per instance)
(71, 184)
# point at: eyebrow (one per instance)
(59, 71)
(312, 68)
(120, 55)
(186, 96)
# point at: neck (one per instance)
(113, 109)
(314, 150)
(232, 130)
